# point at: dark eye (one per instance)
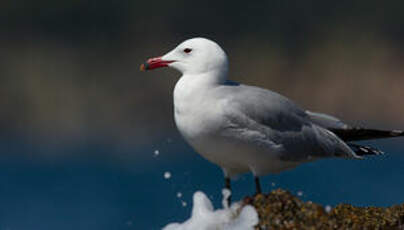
(187, 50)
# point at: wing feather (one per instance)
(282, 122)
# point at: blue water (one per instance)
(105, 186)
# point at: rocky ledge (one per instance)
(281, 210)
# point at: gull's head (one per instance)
(193, 56)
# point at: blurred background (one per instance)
(85, 138)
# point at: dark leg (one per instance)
(257, 185)
(227, 183)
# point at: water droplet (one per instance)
(300, 193)
(167, 175)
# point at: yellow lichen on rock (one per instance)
(281, 210)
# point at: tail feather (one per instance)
(362, 150)
(358, 134)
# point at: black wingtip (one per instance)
(397, 133)
(362, 150)
(357, 134)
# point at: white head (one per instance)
(192, 57)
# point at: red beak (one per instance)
(154, 63)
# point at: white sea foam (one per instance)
(204, 217)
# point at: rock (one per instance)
(281, 210)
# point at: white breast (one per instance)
(196, 115)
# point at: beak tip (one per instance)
(142, 67)
(154, 63)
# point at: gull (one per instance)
(244, 128)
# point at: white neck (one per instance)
(206, 79)
(191, 88)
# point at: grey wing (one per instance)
(284, 123)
